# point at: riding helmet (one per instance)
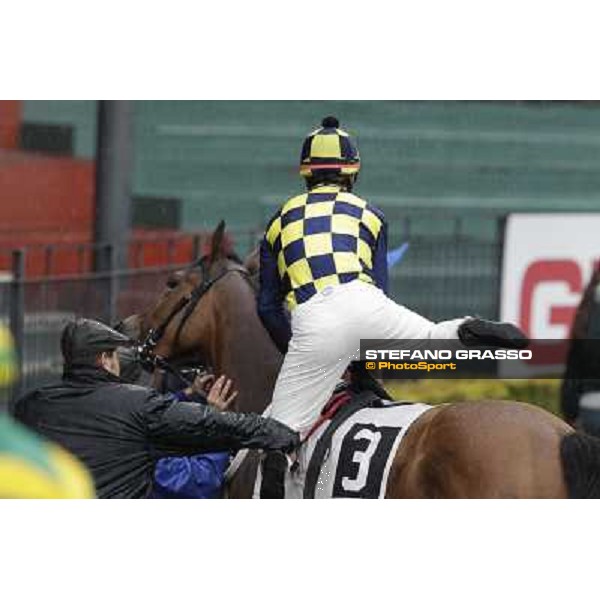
(329, 149)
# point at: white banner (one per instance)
(548, 261)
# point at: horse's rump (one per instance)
(485, 449)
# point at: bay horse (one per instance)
(486, 449)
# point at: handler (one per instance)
(119, 430)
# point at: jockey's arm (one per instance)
(270, 300)
(380, 266)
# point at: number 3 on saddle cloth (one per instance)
(350, 450)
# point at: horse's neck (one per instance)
(243, 350)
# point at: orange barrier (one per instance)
(10, 121)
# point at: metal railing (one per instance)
(145, 249)
(38, 310)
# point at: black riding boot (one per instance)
(480, 332)
(274, 467)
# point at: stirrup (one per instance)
(274, 467)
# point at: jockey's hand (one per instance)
(480, 332)
(219, 397)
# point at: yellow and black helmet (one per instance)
(329, 149)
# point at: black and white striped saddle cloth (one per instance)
(350, 456)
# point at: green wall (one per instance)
(81, 114)
(230, 159)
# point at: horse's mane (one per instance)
(232, 256)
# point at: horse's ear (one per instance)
(217, 247)
(252, 261)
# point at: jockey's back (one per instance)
(326, 237)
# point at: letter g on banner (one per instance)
(534, 301)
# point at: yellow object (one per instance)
(323, 238)
(30, 467)
(8, 361)
(33, 468)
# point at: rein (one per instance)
(199, 291)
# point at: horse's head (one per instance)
(185, 308)
(207, 313)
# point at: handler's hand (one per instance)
(218, 395)
(202, 383)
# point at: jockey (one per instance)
(324, 255)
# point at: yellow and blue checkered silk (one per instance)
(323, 238)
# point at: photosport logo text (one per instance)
(419, 366)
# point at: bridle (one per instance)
(190, 302)
(201, 290)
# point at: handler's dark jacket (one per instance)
(119, 430)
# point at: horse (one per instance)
(487, 449)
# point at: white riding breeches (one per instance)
(326, 334)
